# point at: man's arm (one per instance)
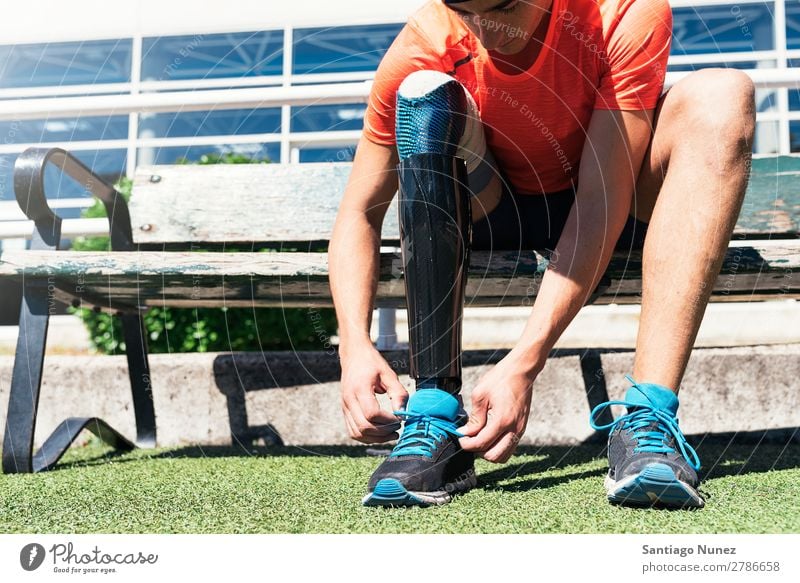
(612, 157)
(353, 259)
(610, 162)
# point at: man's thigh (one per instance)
(656, 161)
(701, 96)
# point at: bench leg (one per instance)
(26, 379)
(139, 372)
(594, 382)
(23, 402)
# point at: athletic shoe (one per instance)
(427, 466)
(650, 461)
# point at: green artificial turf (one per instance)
(749, 488)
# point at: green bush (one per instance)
(208, 329)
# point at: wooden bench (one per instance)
(263, 230)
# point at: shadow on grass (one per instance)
(548, 458)
(722, 455)
(218, 451)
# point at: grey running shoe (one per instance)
(427, 466)
(650, 461)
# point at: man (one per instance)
(535, 124)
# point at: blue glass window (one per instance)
(212, 56)
(73, 63)
(794, 94)
(794, 135)
(320, 118)
(344, 154)
(210, 123)
(64, 129)
(793, 24)
(722, 29)
(175, 154)
(794, 100)
(342, 48)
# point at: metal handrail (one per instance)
(262, 97)
(172, 101)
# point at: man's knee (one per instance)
(719, 105)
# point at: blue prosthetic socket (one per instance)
(432, 122)
(436, 115)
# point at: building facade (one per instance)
(306, 43)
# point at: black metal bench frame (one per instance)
(18, 455)
(26, 381)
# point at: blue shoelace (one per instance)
(421, 433)
(650, 426)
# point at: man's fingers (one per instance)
(485, 439)
(501, 451)
(477, 417)
(395, 389)
(368, 436)
(375, 439)
(354, 432)
(371, 419)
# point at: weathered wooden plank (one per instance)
(187, 266)
(284, 203)
(764, 269)
(490, 292)
(754, 257)
(262, 202)
(240, 203)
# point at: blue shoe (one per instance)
(650, 461)
(427, 466)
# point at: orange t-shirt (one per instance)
(597, 54)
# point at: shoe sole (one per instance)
(391, 493)
(655, 485)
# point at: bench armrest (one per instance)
(29, 189)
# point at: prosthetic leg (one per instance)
(443, 159)
(427, 465)
(435, 234)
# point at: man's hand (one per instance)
(500, 405)
(366, 373)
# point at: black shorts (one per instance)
(535, 221)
